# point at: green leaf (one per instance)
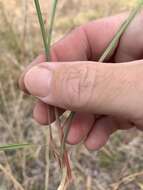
(120, 32)
(51, 26)
(15, 146)
(47, 38)
(42, 25)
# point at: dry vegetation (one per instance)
(119, 165)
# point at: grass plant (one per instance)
(62, 154)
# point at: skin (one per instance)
(106, 97)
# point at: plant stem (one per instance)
(51, 25)
(66, 129)
(48, 51)
(42, 26)
(120, 32)
(47, 46)
(15, 146)
(47, 159)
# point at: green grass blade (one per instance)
(120, 32)
(15, 146)
(42, 26)
(46, 40)
(47, 45)
(51, 26)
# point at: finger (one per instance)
(130, 47)
(100, 133)
(96, 88)
(140, 128)
(39, 59)
(89, 41)
(103, 129)
(80, 127)
(41, 113)
(139, 124)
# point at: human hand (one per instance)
(77, 82)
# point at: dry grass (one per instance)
(118, 166)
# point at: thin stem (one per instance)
(51, 26)
(50, 29)
(120, 32)
(20, 146)
(42, 26)
(66, 126)
(15, 146)
(47, 46)
(49, 133)
(47, 156)
(46, 42)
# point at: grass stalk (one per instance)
(9, 147)
(47, 46)
(42, 26)
(46, 41)
(64, 180)
(120, 32)
(49, 132)
(51, 26)
(49, 40)
(15, 146)
(47, 156)
(66, 126)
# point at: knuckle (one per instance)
(78, 86)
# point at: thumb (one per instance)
(88, 86)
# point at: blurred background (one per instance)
(118, 166)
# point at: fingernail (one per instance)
(37, 81)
